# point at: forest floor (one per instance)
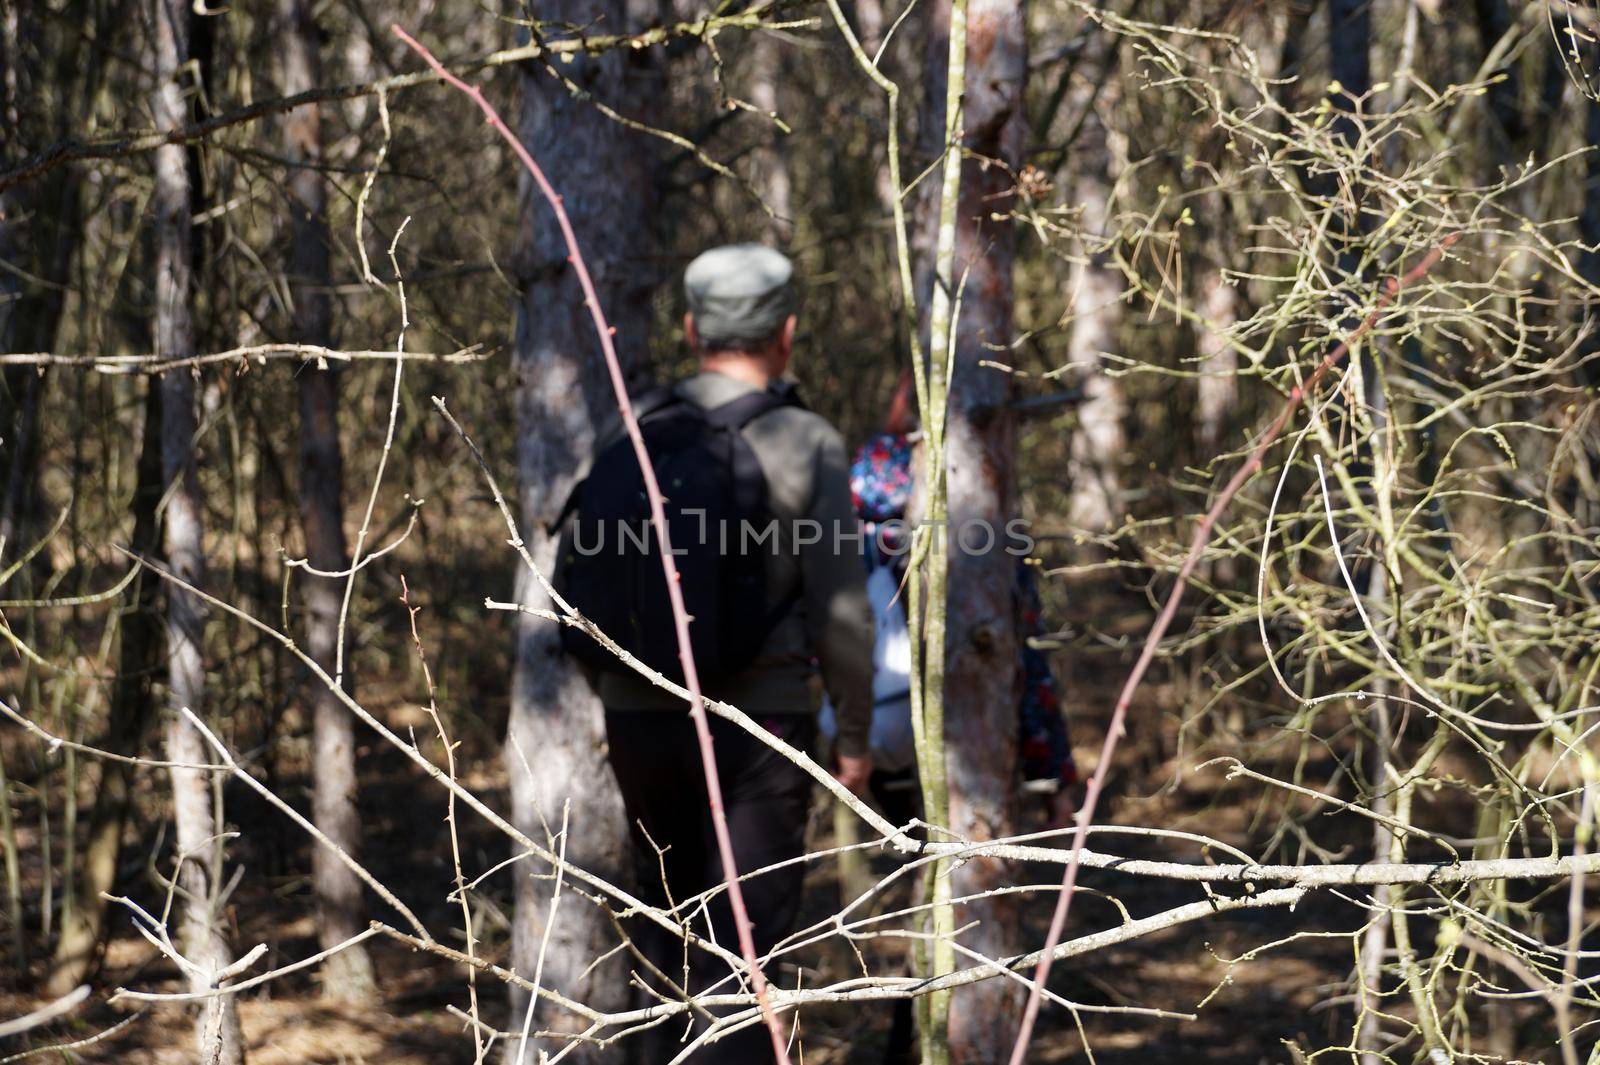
(1253, 1012)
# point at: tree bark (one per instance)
(13, 243)
(1099, 444)
(199, 849)
(773, 160)
(348, 975)
(870, 28)
(1350, 66)
(981, 668)
(556, 744)
(1589, 227)
(1218, 387)
(1494, 20)
(38, 236)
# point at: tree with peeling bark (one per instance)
(556, 746)
(199, 844)
(346, 975)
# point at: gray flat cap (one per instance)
(739, 294)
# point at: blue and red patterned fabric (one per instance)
(880, 478)
(880, 482)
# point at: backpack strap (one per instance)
(646, 403)
(652, 400)
(742, 410)
(748, 479)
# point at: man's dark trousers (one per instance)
(656, 757)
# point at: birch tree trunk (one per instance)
(346, 976)
(1218, 387)
(1099, 444)
(556, 746)
(773, 160)
(199, 847)
(981, 667)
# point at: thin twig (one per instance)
(258, 353)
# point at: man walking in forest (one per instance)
(759, 494)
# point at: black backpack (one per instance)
(608, 564)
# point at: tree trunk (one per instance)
(869, 29)
(1589, 227)
(766, 61)
(1350, 65)
(1494, 21)
(199, 850)
(346, 976)
(870, 24)
(38, 236)
(17, 406)
(981, 668)
(19, 431)
(1099, 444)
(13, 244)
(1218, 389)
(131, 711)
(556, 746)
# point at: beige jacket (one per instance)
(807, 472)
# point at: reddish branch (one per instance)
(680, 614)
(1169, 610)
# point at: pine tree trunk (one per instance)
(199, 850)
(556, 747)
(981, 669)
(346, 976)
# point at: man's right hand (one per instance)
(854, 772)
